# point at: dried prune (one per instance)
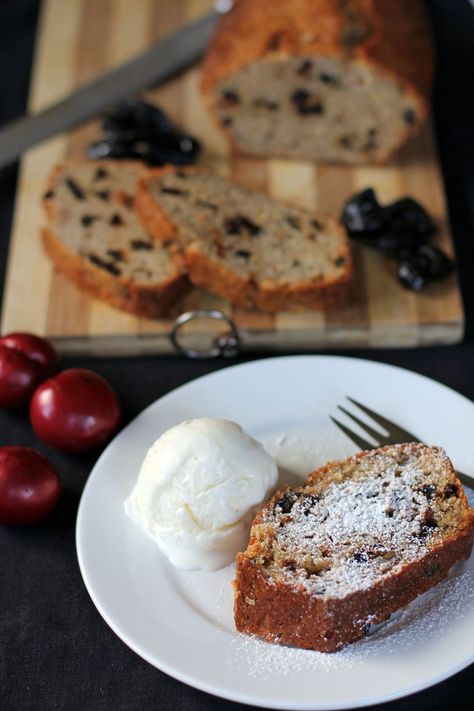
(425, 264)
(306, 103)
(75, 189)
(87, 220)
(137, 130)
(116, 220)
(450, 490)
(407, 215)
(285, 504)
(362, 215)
(304, 68)
(429, 490)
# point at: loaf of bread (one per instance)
(94, 238)
(244, 246)
(339, 81)
(361, 539)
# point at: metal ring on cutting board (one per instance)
(226, 345)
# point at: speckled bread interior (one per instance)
(331, 81)
(361, 539)
(94, 238)
(243, 245)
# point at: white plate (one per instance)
(181, 622)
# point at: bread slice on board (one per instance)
(243, 245)
(339, 82)
(95, 239)
(362, 538)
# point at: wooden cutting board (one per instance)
(79, 39)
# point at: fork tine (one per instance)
(395, 432)
(378, 437)
(359, 441)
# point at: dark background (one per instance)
(55, 650)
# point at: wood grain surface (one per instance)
(78, 40)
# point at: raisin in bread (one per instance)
(95, 239)
(329, 80)
(362, 538)
(244, 246)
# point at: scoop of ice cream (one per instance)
(198, 490)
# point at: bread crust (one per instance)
(219, 279)
(393, 39)
(152, 301)
(289, 614)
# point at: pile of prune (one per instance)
(137, 130)
(401, 229)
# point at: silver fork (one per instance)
(395, 433)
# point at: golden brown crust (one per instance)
(216, 277)
(392, 38)
(123, 294)
(289, 614)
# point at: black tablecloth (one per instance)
(56, 652)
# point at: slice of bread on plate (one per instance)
(243, 245)
(95, 239)
(361, 539)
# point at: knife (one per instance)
(163, 60)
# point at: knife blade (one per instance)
(163, 60)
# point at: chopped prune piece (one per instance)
(293, 222)
(75, 189)
(87, 220)
(103, 195)
(232, 225)
(235, 225)
(309, 502)
(116, 219)
(250, 226)
(244, 253)
(438, 263)
(346, 141)
(432, 570)
(409, 116)
(231, 98)
(173, 191)
(304, 68)
(427, 527)
(339, 262)
(389, 512)
(227, 121)
(100, 173)
(266, 104)
(296, 263)
(429, 490)
(138, 244)
(116, 254)
(360, 557)
(450, 490)
(306, 103)
(407, 215)
(103, 264)
(285, 504)
(362, 215)
(329, 79)
(316, 224)
(48, 194)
